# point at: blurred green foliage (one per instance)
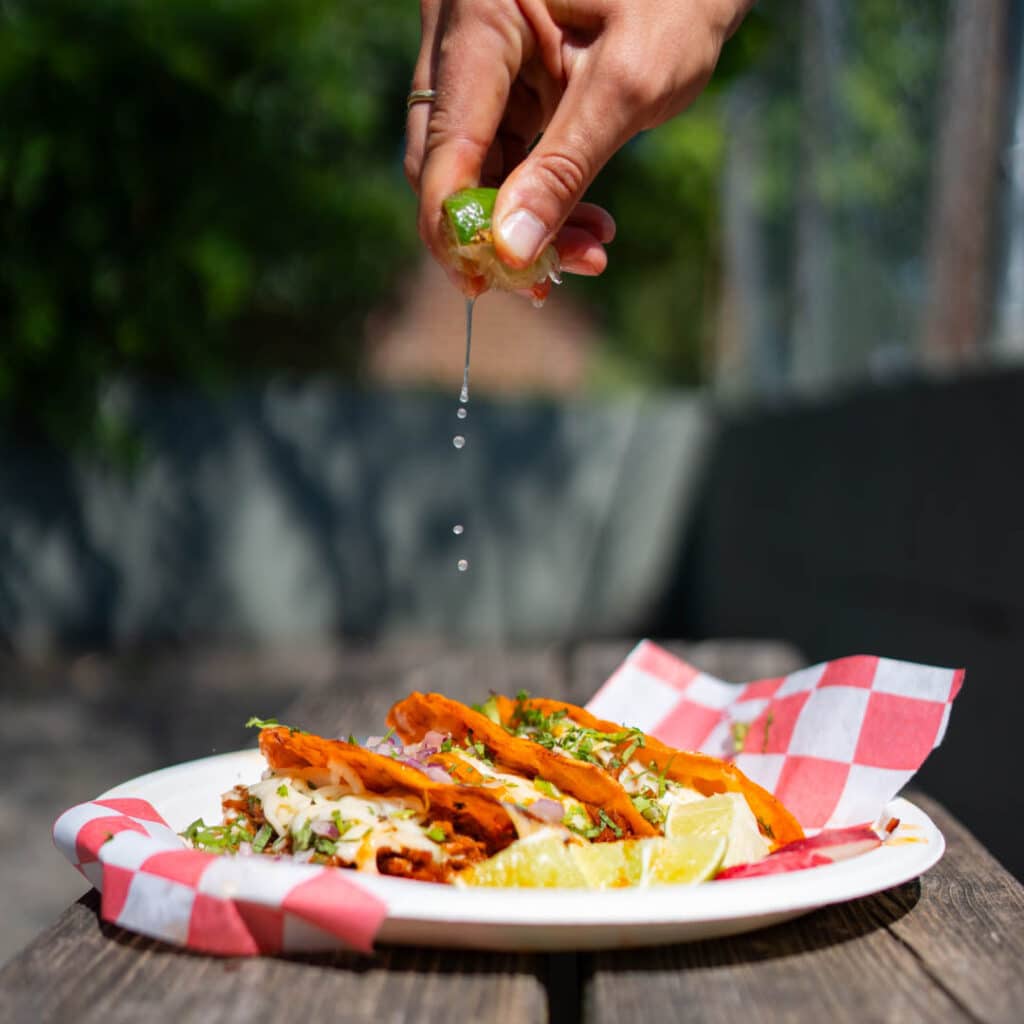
(662, 295)
(193, 190)
(196, 191)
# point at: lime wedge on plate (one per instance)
(610, 865)
(549, 862)
(539, 861)
(724, 816)
(682, 861)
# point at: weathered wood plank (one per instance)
(83, 970)
(967, 930)
(838, 964)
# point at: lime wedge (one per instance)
(682, 861)
(539, 861)
(467, 224)
(469, 213)
(547, 861)
(724, 816)
(610, 865)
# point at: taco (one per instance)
(339, 804)
(583, 797)
(655, 776)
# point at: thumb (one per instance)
(536, 198)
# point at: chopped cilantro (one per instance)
(446, 744)
(192, 829)
(605, 820)
(342, 824)
(632, 748)
(282, 790)
(217, 838)
(577, 820)
(555, 733)
(269, 723)
(548, 788)
(489, 709)
(325, 846)
(649, 808)
(352, 740)
(661, 776)
(262, 838)
(407, 812)
(302, 836)
(436, 833)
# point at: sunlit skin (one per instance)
(588, 74)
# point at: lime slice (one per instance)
(548, 861)
(724, 816)
(610, 865)
(467, 223)
(540, 861)
(682, 861)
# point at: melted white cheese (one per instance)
(370, 822)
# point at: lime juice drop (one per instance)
(459, 440)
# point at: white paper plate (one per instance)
(426, 914)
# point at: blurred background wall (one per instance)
(791, 408)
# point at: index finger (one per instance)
(481, 51)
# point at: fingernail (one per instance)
(522, 234)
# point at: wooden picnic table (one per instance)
(948, 946)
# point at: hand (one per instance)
(589, 74)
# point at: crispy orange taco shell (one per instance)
(702, 772)
(472, 812)
(420, 713)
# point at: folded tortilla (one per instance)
(470, 811)
(594, 804)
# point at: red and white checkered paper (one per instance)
(231, 906)
(834, 743)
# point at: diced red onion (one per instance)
(327, 829)
(546, 810)
(434, 739)
(437, 773)
(382, 744)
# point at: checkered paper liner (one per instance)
(834, 743)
